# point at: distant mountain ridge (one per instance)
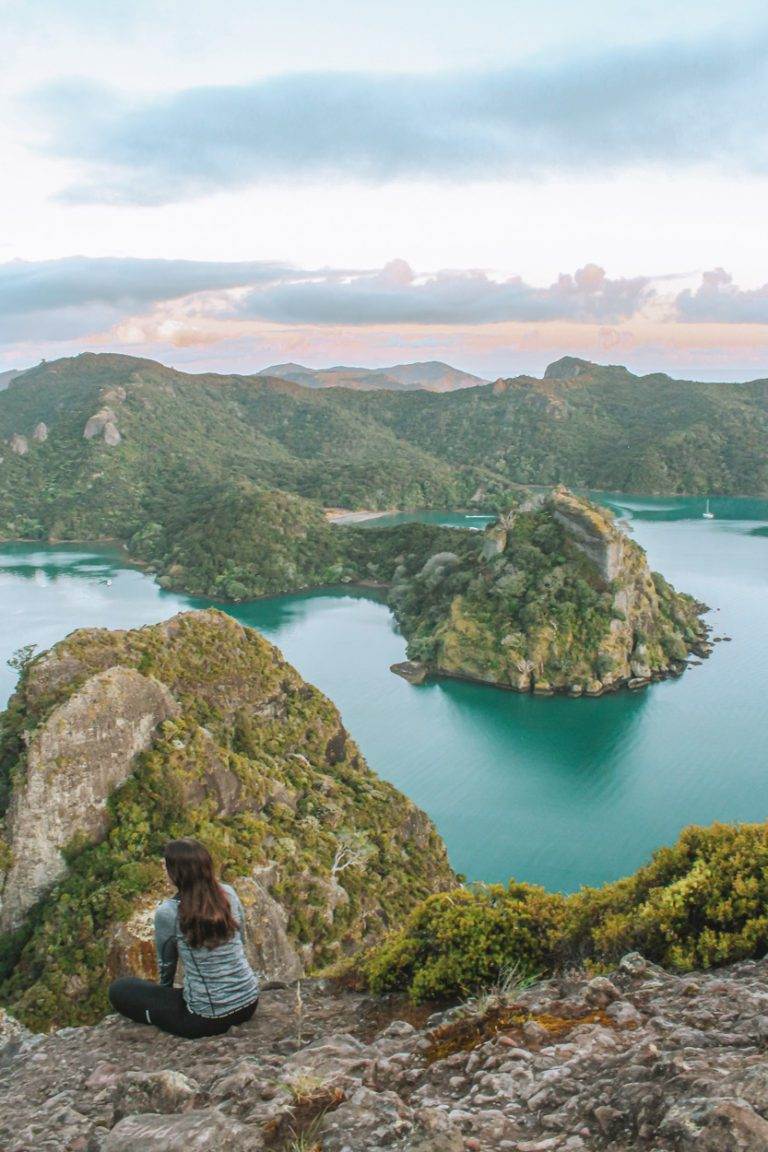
(428, 376)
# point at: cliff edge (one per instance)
(117, 741)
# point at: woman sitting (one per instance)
(202, 924)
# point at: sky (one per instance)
(222, 186)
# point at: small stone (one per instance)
(633, 964)
(535, 1033)
(601, 991)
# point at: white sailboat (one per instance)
(707, 514)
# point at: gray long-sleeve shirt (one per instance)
(217, 981)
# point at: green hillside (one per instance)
(183, 436)
(107, 445)
(601, 428)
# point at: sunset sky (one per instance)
(495, 184)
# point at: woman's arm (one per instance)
(165, 943)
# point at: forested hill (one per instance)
(594, 426)
(101, 445)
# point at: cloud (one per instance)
(719, 300)
(29, 285)
(82, 297)
(673, 103)
(55, 306)
(79, 295)
(395, 295)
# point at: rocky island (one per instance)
(556, 597)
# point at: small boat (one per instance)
(707, 515)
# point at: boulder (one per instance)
(41, 432)
(103, 423)
(19, 444)
(111, 435)
(12, 1033)
(268, 944)
(411, 670)
(702, 1124)
(367, 1120)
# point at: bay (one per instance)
(556, 791)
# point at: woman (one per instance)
(202, 924)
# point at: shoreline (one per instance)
(346, 516)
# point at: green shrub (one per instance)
(456, 943)
(701, 903)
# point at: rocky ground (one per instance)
(640, 1060)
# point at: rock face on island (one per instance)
(116, 741)
(558, 598)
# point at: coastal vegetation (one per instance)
(554, 597)
(341, 869)
(698, 904)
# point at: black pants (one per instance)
(150, 1003)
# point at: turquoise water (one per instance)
(561, 792)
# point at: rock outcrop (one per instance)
(103, 423)
(568, 368)
(40, 433)
(639, 1061)
(116, 741)
(592, 531)
(74, 761)
(19, 444)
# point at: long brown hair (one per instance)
(205, 916)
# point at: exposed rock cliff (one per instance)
(592, 531)
(558, 598)
(115, 741)
(640, 1061)
(75, 759)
